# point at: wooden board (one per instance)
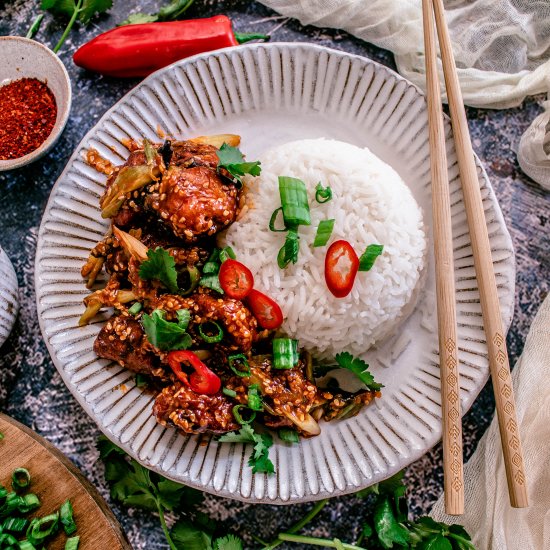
(54, 478)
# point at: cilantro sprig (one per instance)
(386, 524)
(75, 10)
(259, 459)
(161, 266)
(133, 485)
(357, 366)
(232, 160)
(172, 11)
(167, 335)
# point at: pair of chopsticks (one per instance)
(445, 287)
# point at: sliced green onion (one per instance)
(239, 418)
(226, 254)
(149, 150)
(217, 337)
(273, 219)
(194, 279)
(3, 495)
(212, 265)
(211, 281)
(141, 380)
(1, 436)
(66, 515)
(229, 393)
(42, 528)
(8, 541)
(322, 194)
(367, 259)
(285, 353)
(324, 231)
(26, 545)
(15, 525)
(72, 543)
(11, 503)
(289, 251)
(29, 503)
(289, 436)
(20, 479)
(135, 309)
(241, 360)
(255, 398)
(294, 201)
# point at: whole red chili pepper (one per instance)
(203, 380)
(139, 50)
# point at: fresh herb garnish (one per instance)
(232, 160)
(210, 278)
(289, 435)
(161, 266)
(324, 231)
(367, 259)
(259, 459)
(361, 369)
(174, 10)
(81, 10)
(167, 335)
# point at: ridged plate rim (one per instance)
(435, 433)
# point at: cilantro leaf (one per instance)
(435, 542)
(232, 160)
(229, 542)
(386, 526)
(367, 259)
(259, 459)
(160, 265)
(166, 335)
(359, 368)
(187, 536)
(170, 12)
(86, 8)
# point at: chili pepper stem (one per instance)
(35, 26)
(69, 26)
(242, 37)
(165, 527)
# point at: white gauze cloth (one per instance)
(489, 518)
(501, 47)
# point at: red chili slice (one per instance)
(203, 380)
(236, 279)
(341, 266)
(267, 311)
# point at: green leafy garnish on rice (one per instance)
(232, 160)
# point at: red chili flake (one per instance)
(27, 116)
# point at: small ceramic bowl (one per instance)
(25, 58)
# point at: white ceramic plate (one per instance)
(272, 94)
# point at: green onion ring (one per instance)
(254, 399)
(135, 309)
(28, 503)
(41, 528)
(229, 392)
(72, 543)
(211, 339)
(20, 479)
(194, 278)
(232, 359)
(238, 416)
(322, 194)
(66, 516)
(273, 219)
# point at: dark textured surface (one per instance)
(31, 389)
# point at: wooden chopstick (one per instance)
(490, 306)
(444, 279)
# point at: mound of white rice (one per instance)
(371, 204)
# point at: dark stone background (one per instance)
(31, 389)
